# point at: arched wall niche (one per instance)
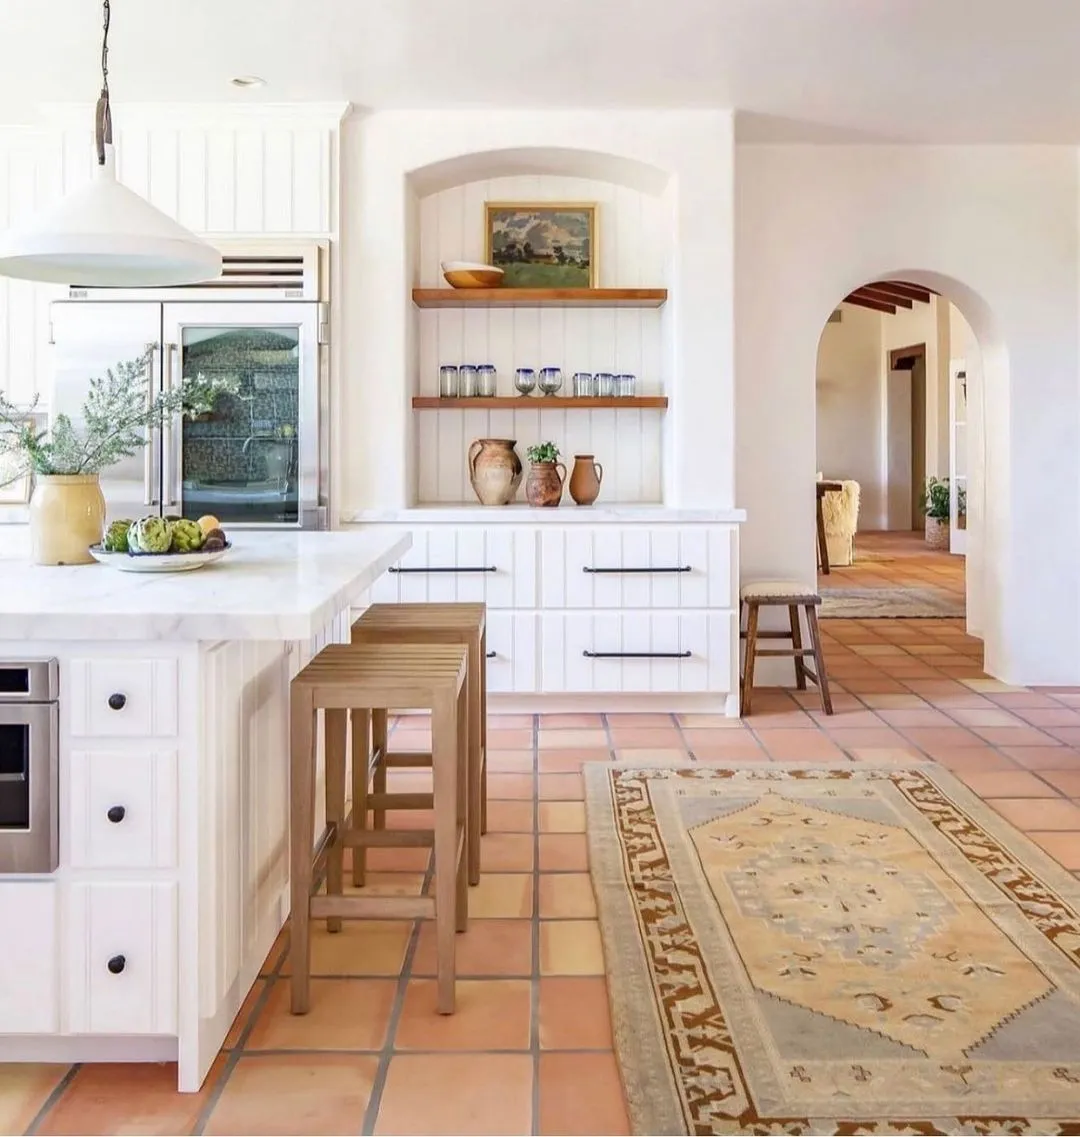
(552, 161)
(634, 244)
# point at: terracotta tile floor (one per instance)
(897, 560)
(529, 1050)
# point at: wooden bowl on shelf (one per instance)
(468, 274)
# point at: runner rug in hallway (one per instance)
(888, 603)
(851, 950)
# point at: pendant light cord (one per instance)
(103, 113)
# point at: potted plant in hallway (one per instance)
(67, 509)
(545, 484)
(935, 503)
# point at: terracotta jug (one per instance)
(495, 470)
(67, 516)
(585, 479)
(545, 483)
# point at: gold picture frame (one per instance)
(562, 251)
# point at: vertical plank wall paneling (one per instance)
(634, 239)
(258, 179)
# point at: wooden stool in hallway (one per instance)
(463, 623)
(784, 593)
(362, 678)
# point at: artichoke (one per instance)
(186, 536)
(150, 535)
(116, 537)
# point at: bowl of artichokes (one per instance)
(161, 544)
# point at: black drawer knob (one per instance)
(117, 701)
(116, 814)
(116, 964)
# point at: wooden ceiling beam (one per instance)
(901, 288)
(869, 302)
(875, 293)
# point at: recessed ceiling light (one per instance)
(247, 81)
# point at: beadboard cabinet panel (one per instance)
(511, 646)
(257, 178)
(633, 231)
(636, 567)
(121, 958)
(636, 652)
(449, 564)
(30, 974)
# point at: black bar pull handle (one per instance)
(446, 568)
(490, 655)
(673, 568)
(637, 654)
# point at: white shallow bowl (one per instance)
(156, 562)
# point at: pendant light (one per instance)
(103, 233)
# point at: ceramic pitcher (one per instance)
(545, 483)
(585, 479)
(494, 470)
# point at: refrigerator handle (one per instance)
(149, 497)
(167, 427)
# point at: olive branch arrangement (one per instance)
(115, 418)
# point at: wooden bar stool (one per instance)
(362, 678)
(418, 624)
(768, 593)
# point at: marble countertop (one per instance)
(565, 514)
(271, 586)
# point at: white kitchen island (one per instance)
(173, 704)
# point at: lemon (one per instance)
(208, 522)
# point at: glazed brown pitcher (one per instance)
(585, 479)
(545, 483)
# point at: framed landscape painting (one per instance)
(546, 244)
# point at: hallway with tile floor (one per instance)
(529, 1050)
(893, 559)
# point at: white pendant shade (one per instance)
(104, 234)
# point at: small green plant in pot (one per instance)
(935, 505)
(544, 485)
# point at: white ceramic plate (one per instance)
(156, 562)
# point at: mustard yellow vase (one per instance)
(67, 516)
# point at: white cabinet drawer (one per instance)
(449, 563)
(637, 652)
(511, 650)
(615, 566)
(121, 959)
(121, 698)
(29, 974)
(121, 809)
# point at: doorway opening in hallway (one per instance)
(895, 453)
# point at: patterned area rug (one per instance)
(815, 950)
(881, 603)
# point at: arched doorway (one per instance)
(901, 444)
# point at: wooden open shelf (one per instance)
(539, 297)
(540, 403)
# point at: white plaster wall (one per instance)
(995, 228)
(849, 407)
(928, 324)
(686, 157)
(963, 345)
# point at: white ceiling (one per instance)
(809, 70)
